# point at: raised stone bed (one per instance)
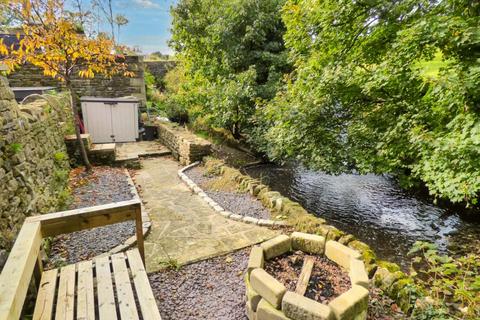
(268, 299)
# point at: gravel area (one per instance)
(104, 185)
(210, 289)
(327, 280)
(240, 203)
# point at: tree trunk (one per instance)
(76, 121)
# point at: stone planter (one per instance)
(268, 299)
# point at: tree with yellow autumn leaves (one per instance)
(51, 41)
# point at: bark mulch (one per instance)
(327, 280)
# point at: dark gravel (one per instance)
(240, 203)
(210, 289)
(104, 185)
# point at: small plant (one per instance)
(170, 264)
(452, 283)
(59, 156)
(16, 148)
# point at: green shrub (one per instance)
(453, 284)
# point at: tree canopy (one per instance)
(376, 86)
(233, 54)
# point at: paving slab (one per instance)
(133, 150)
(184, 227)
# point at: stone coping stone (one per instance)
(276, 246)
(268, 299)
(300, 307)
(256, 259)
(351, 304)
(253, 298)
(340, 253)
(218, 208)
(268, 287)
(265, 311)
(358, 273)
(310, 243)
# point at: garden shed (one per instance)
(110, 120)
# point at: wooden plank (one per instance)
(139, 232)
(66, 294)
(85, 293)
(106, 298)
(46, 295)
(304, 277)
(86, 218)
(148, 305)
(17, 272)
(125, 297)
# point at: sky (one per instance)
(149, 24)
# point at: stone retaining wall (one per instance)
(98, 154)
(384, 274)
(34, 164)
(159, 68)
(100, 86)
(268, 299)
(186, 147)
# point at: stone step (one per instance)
(102, 148)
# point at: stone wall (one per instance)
(34, 164)
(100, 86)
(159, 68)
(185, 146)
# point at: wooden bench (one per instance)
(109, 287)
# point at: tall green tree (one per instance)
(386, 87)
(233, 54)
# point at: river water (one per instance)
(374, 209)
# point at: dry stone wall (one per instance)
(159, 68)
(33, 159)
(185, 146)
(118, 86)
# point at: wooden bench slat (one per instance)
(85, 293)
(145, 295)
(126, 299)
(46, 295)
(66, 294)
(106, 298)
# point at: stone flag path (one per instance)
(184, 227)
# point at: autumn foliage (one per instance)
(49, 39)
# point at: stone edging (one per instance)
(130, 242)
(215, 206)
(267, 298)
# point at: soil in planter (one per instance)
(327, 280)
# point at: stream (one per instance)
(374, 209)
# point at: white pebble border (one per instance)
(215, 206)
(146, 222)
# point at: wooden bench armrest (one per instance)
(69, 221)
(24, 257)
(17, 272)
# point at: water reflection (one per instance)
(374, 209)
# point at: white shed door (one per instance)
(124, 120)
(98, 120)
